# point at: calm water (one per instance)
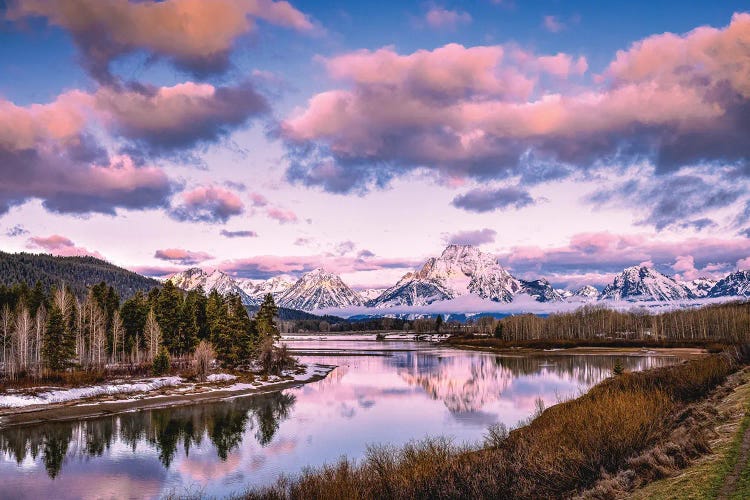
(388, 392)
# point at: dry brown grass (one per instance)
(565, 450)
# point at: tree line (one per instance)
(43, 332)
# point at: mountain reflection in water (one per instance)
(390, 392)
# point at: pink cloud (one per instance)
(194, 34)
(207, 204)
(181, 256)
(438, 17)
(553, 24)
(258, 200)
(60, 245)
(486, 112)
(607, 253)
(264, 266)
(281, 215)
(743, 264)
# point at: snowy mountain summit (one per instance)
(460, 270)
(736, 284)
(319, 289)
(192, 278)
(641, 283)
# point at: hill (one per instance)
(78, 273)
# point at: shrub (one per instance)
(162, 362)
(273, 360)
(204, 354)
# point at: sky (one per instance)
(260, 137)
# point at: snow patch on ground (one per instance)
(142, 387)
(64, 395)
(221, 377)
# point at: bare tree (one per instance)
(204, 354)
(22, 332)
(118, 335)
(153, 335)
(40, 324)
(6, 322)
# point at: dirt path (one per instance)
(730, 481)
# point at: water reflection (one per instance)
(380, 393)
(166, 430)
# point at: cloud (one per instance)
(239, 234)
(60, 245)
(164, 120)
(345, 247)
(15, 231)
(493, 113)
(258, 200)
(743, 264)
(673, 201)
(281, 215)
(477, 237)
(156, 271)
(182, 257)
(266, 266)
(440, 18)
(487, 200)
(553, 24)
(207, 204)
(605, 253)
(194, 35)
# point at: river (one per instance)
(381, 393)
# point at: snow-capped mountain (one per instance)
(541, 290)
(587, 292)
(194, 277)
(371, 293)
(641, 283)
(460, 270)
(699, 287)
(319, 289)
(276, 286)
(736, 284)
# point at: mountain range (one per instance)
(461, 271)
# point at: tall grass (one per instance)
(565, 450)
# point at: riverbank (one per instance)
(631, 424)
(51, 405)
(551, 347)
(723, 471)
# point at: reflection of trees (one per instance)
(224, 424)
(468, 382)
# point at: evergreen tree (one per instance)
(189, 322)
(167, 310)
(59, 348)
(134, 312)
(438, 323)
(498, 334)
(265, 318)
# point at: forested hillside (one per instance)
(78, 273)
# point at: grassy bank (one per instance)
(705, 478)
(568, 449)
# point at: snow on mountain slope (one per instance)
(541, 290)
(736, 284)
(460, 270)
(699, 287)
(224, 284)
(319, 289)
(276, 286)
(371, 293)
(587, 292)
(641, 283)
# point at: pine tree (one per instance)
(265, 318)
(57, 350)
(167, 311)
(438, 323)
(498, 330)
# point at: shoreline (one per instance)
(681, 352)
(98, 407)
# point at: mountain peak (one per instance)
(319, 289)
(644, 283)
